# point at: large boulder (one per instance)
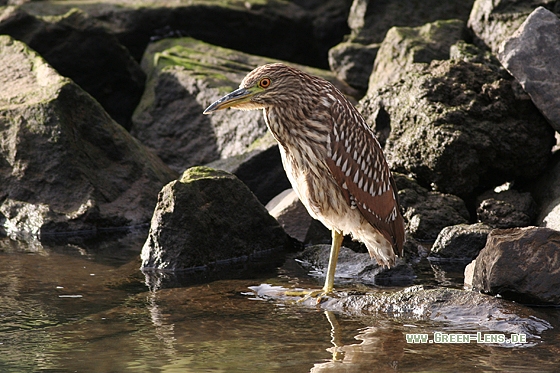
(206, 217)
(531, 55)
(65, 164)
(301, 32)
(457, 126)
(493, 22)
(521, 264)
(370, 21)
(184, 77)
(404, 46)
(353, 63)
(79, 48)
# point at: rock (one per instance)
(296, 221)
(370, 20)
(494, 22)
(531, 55)
(184, 77)
(506, 209)
(546, 190)
(462, 119)
(426, 212)
(520, 264)
(468, 310)
(205, 218)
(469, 274)
(404, 46)
(354, 267)
(260, 168)
(291, 214)
(278, 29)
(79, 48)
(460, 242)
(471, 53)
(330, 21)
(65, 164)
(353, 63)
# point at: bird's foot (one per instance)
(320, 295)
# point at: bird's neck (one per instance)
(295, 135)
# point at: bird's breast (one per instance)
(304, 153)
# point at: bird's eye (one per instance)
(264, 83)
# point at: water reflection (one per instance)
(336, 337)
(121, 325)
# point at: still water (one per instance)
(85, 307)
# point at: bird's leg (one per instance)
(337, 238)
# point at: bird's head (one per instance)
(265, 86)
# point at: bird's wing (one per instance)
(356, 162)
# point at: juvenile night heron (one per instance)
(331, 157)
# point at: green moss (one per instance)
(202, 172)
(214, 64)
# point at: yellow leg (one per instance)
(337, 238)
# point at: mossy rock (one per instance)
(206, 217)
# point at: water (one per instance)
(84, 307)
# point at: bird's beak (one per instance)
(237, 97)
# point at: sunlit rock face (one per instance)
(65, 164)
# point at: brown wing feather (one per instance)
(357, 163)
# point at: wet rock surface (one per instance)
(224, 222)
(355, 267)
(419, 303)
(65, 164)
